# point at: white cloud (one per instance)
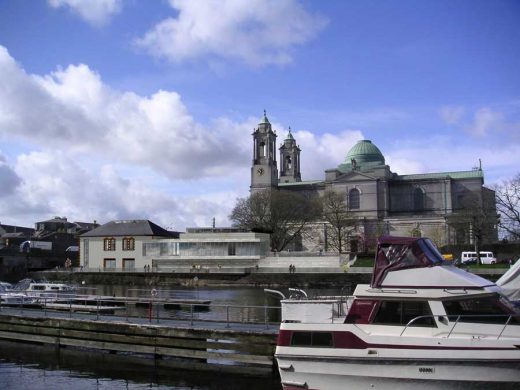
(55, 184)
(442, 154)
(72, 108)
(92, 152)
(324, 152)
(257, 32)
(485, 120)
(452, 115)
(496, 121)
(95, 12)
(9, 180)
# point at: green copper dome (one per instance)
(363, 155)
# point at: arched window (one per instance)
(262, 149)
(418, 199)
(353, 199)
(288, 162)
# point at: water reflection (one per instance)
(224, 303)
(35, 367)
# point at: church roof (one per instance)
(264, 119)
(476, 173)
(300, 183)
(365, 154)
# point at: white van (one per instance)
(471, 257)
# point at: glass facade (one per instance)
(204, 249)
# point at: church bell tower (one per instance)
(290, 160)
(264, 171)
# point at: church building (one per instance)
(440, 205)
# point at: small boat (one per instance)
(44, 289)
(421, 323)
(12, 298)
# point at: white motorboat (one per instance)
(421, 322)
(9, 297)
(44, 289)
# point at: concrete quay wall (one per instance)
(194, 279)
(274, 278)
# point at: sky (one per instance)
(144, 109)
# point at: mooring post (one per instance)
(227, 316)
(265, 317)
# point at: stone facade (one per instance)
(384, 202)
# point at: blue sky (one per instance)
(144, 109)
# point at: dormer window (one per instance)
(109, 244)
(128, 244)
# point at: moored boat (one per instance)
(421, 321)
(46, 291)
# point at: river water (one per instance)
(35, 367)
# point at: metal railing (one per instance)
(445, 319)
(142, 310)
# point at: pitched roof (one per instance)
(134, 227)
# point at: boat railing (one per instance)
(445, 319)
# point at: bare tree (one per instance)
(508, 205)
(283, 214)
(341, 222)
(477, 215)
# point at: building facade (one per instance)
(118, 245)
(445, 206)
(141, 245)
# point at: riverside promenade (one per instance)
(283, 270)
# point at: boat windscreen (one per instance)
(431, 252)
(397, 253)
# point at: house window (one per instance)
(109, 263)
(128, 244)
(109, 244)
(232, 249)
(128, 264)
(418, 199)
(353, 199)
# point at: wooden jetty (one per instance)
(78, 307)
(238, 351)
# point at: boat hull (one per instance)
(340, 373)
